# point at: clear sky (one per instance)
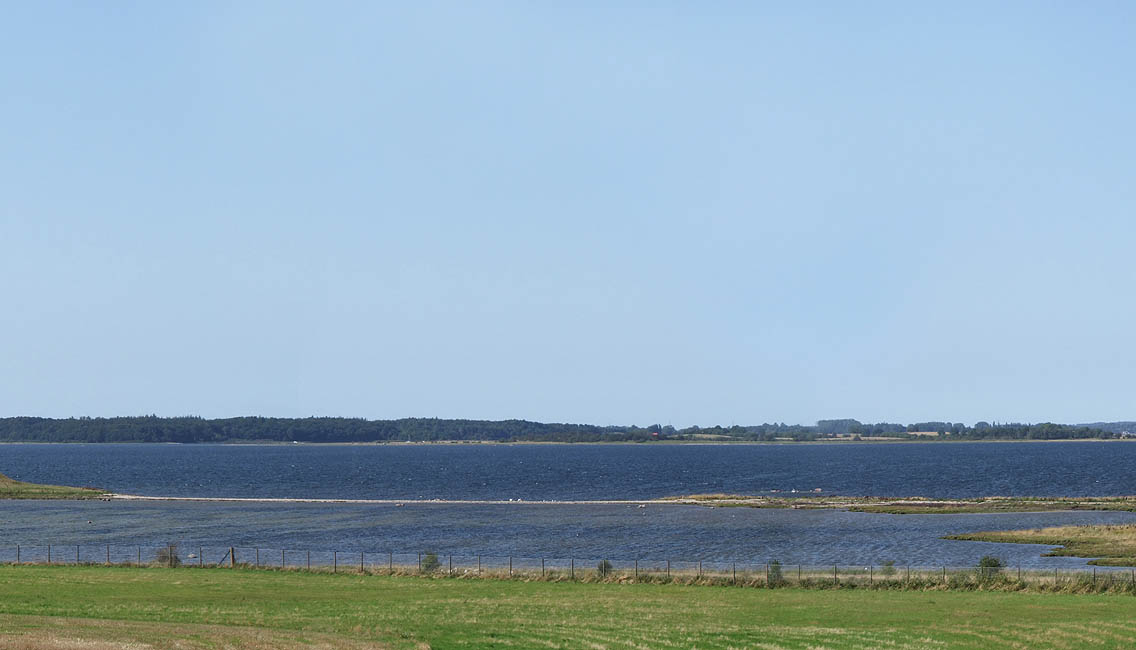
(605, 212)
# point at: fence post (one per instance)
(335, 561)
(139, 556)
(451, 571)
(766, 575)
(49, 553)
(798, 575)
(542, 568)
(908, 573)
(636, 568)
(668, 568)
(572, 568)
(944, 575)
(510, 565)
(1094, 575)
(170, 555)
(834, 581)
(390, 562)
(281, 558)
(200, 557)
(871, 574)
(478, 565)
(700, 568)
(77, 560)
(735, 565)
(108, 554)
(309, 560)
(258, 558)
(419, 561)
(360, 561)
(1019, 573)
(17, 553)
(232, 557)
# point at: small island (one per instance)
(1110, 545)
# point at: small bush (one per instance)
(430, 562)
(603, 568)
(990, 567)
(168, 556)
(775, 575)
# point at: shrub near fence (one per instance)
(987, 575)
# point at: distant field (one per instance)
(97, 608)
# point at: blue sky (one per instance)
(627, 212)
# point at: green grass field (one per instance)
(120, 608)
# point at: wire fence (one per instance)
(748, 573)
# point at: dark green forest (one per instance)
(200, 430)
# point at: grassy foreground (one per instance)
(1111, 545)
(12, 489)
(105, 608)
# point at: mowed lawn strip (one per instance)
(413, 612)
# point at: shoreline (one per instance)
(421, 443)
(876, 505)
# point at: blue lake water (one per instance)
(584, 472)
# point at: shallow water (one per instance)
(810, 537)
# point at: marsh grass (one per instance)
(1111, 545)
(13, 489)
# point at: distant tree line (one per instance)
(196, 429)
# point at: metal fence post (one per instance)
(335, 561)
(258, 558)
(49, 553)
(309, 560)
(360, 561)
(700, 568)
(478, 565)
(572, 568)
(200, 557)
(735, 567)
(139, 556)
(281, 558)
(510, 565)
(17, 553)
(390, 562)
(108, 554)
(834, 575)
(451, 570)
(871, 574)
(542, 567)
(668, 568)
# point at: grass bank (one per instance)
(100, 608)
(1111, 545)
(910, 505)
(12, 489)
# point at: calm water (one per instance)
(816, 537)
(584, 472)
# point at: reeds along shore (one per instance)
(1088, 580)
